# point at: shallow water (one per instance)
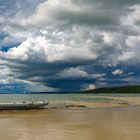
(61, 97)
(77, 124)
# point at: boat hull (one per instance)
(22, 106)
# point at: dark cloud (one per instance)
(8, 8)
(70, 45)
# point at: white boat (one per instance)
(23, 105)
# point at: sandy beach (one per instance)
(119, 123)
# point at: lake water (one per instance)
(61, 97)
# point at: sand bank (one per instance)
(108, 101)
(117, 123)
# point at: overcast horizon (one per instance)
(68, 45)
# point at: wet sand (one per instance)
(106, 101)
(118, 123)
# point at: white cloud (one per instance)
(45, 13)
(126, 56)
(79, 72)
(132, 50)
(61, 12)
(90, 87)
(73, 72)
(133, 18)
(118, 72)
(133, 41)
(76, 40)
(98, 75)
(40, 50)
(63, 37)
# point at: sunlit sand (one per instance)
(121, 123)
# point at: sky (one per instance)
(68, 45)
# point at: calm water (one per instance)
(80, 124)
(62, 97)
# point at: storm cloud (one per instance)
(69, 45)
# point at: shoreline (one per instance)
(94, 103)
(102, 102)
(112, 102)
(73, 123)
